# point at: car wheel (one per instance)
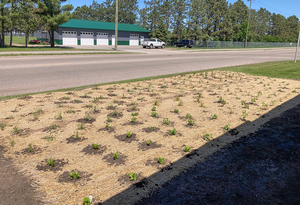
(175, 45)
(151, 46)
(163, 46)
(185, 46)
(144, 46)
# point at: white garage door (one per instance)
(87, 38)
(102, 38)
(134, 40)
(69, 38)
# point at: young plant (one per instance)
(191, 122)
(132, 176)
(116, 155)
(166, 121)
(107, 126)
(49, 138)
(177, 98)
(16, 130)
(95, 146)
(128, 134)
(207, 137)
(89, 117)
(214, 117)
(30, 148)
(89, 106)
(173, 132)
(227, 127)
(154, 108)
(51, 162)
(176, 110)
(134, 114)
(2, 126)
(180, 103)
(265, 106)
(115, 113)
(109, 119)
(86, 201)
(244, 115)
(152, 128)
(59, 117)
(188, 116)
(80, 126)
(74, 175)
(161, 160)
(70, 111)
(148, 142)
(133, 119)
(155, 103)
(53, 127)
(12, 143)
(187, 149)
(95, 110)
(154, 114)
(77, 136)
(96, 100)
(243, 102)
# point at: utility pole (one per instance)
(248, 23)
(69, 2)
(116, 22)
(297, 45)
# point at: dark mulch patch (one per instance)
(121, 102)
(58, 165)
(35, 150)
(191, 126)
(111, 108)
(25, 98)
(168, 134)
(85, 97)
(15, 188)
(109, 130)
(133, 110)
(76, 102)
(72, 139)
(111, 94)
(110, 88)
(118, 116)
(84, 120)
(234, 132)
(65, 177)
(60, 102)
(126, 139)
(154, 163)
(115, 162)
(50, 129)
(144, 146)
(90, 150)
(62, 99)
(133, 123)
(149, 130)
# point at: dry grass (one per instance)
(99, 177)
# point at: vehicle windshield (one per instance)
(153, 39)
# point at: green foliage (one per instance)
(214, 117)
(107, 126)
(180, 103)
(154, 114)
(152, 128)
(116, 155)
(74, 175)
(173, 132)
(89, 117)
(2, 126)
(51, 162)
(53, 127)
(77, 135)
(95, 146)
(188, 116)
(16, 130)
(161, 160)
(176, 110)
(30, 148)
(133, 119)
(161, 32)
(148, 142)
(81, 126)
(128, 134)
(86, 201)
(227, 127)
(166, 121)
(244, 115)
(207, 137)
(154, 108)
(187, 149)
(134, 114)
(155, 103)
(191, 122)
(132, 176)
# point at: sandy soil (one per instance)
(50, 122)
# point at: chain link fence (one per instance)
(235, 44)
(19, 34)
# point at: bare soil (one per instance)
(266, 98)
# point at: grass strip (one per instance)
(52, 54)
(279, 69)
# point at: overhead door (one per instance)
(102, 38)
(87, 38)
(69, 37)
(134, 40)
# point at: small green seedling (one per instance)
(154, 114)
(207, 137)
(59, 116)
(89, 106)
(244, 115)
(161, 160)
(132, 176)
(95, 146)
(188, 116)
(12, 143)
(180, 103)
(166, 121)
(2, 126)
(16, 130)
(134, 114)
(70, 111)
(86, 201)
(155, 103)
(128, 134)
(173, 132)
(109, 119)
(148, 142)
(176, 110)
(116, 155)
(80, 126)
(30, 148)
(152, 128)
(133, 119)
(107, 126)
(74, 175)
(214, 117)
(227, 127)
(154, 108)
(77, 135)
(191, 122)
(187, 149)
(53, 127)
(51, 162)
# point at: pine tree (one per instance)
(153, 13)
(161, 32)
(179, 16)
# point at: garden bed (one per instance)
(172, 113)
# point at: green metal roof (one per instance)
(83, 24)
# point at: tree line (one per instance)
(28, 16)
(169, 20)
(201, 20)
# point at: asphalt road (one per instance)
(27, 74)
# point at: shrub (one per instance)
(161, 160)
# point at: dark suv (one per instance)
(185, 43)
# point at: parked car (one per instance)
(154, 42)
(184, 43)
(34, 42)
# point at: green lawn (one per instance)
(18, 39)
(46, 48)
(280, 69)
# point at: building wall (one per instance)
(123, 36)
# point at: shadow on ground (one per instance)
(262, 167)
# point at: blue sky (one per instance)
(284, 7)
